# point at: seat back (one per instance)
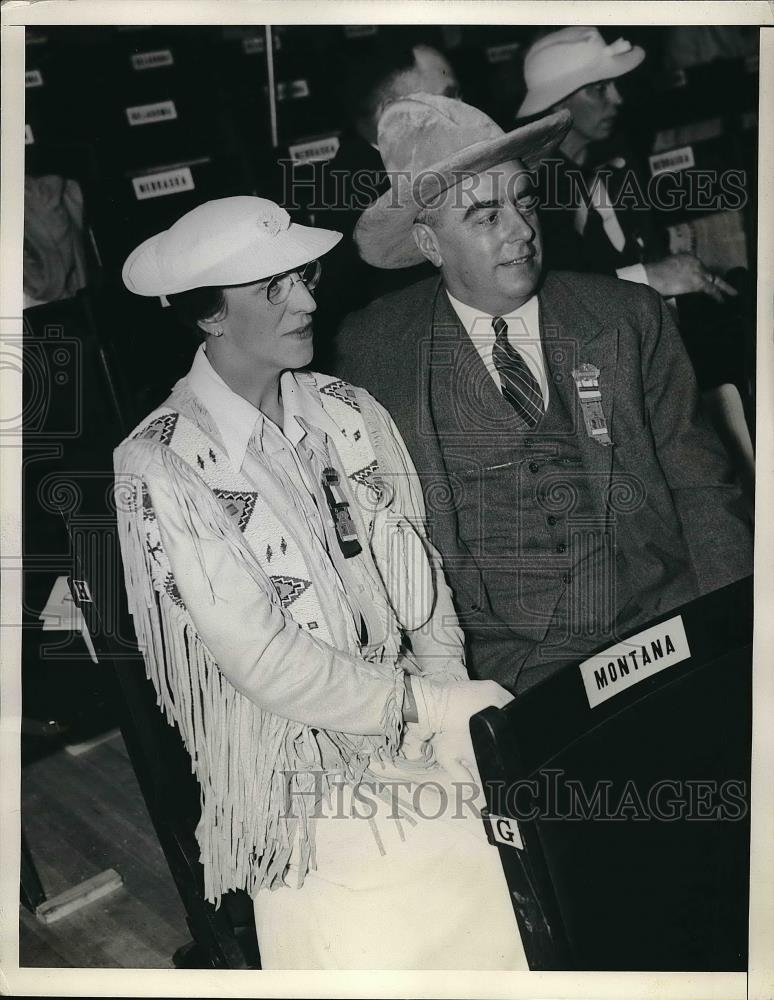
(631, 798)
(225, 937)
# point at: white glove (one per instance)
(444, 711)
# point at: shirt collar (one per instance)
(529, 327)
(236, 418)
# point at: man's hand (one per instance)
(682, 273)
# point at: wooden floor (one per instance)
(82, 815)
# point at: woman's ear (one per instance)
(211, 327)
(427, 243)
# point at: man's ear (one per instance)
(427, 243)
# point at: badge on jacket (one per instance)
(586, 378)
(342, 518)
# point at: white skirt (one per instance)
(425, 891)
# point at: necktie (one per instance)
(520, 387)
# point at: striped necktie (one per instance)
(520, 387)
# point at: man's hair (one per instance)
(428, 217)
(198, 304)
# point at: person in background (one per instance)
(297, 625)
(594, 219)
(368, 81)
(573, 485)
(574, 69)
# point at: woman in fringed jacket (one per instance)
(296, 623)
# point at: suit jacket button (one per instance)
(551, 520)
(534, 467)
(561, 547)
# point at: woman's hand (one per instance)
(443, 714)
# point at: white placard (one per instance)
(33, 78)
(292, 90)
(251, 46)
(145, 114)
(672, 161)
(152, 60)
(164, 182)
(635, 659)
(502, 53)
(314, 149)
(506, 831)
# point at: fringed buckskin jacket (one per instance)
(251, 620)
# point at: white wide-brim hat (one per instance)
(564, 61)
(229, 241)
(429, 144)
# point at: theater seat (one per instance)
(76, 410)
(653, 874)
(223, 938)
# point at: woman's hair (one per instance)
(198, 304)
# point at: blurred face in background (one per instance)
(431, 74)
(594, 111)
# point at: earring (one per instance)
(218, 331)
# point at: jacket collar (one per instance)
(236, 420)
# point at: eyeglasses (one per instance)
(279, 287)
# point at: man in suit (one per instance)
(572, 484)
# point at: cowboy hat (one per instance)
(229, 241)
(562, 62)
(430, 144)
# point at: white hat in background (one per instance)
(230, 241)
(562, 62)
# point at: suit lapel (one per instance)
(446, 339)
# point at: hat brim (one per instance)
(608, 68)
(288, 250)
(383, 231)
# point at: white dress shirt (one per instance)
(523, 335)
